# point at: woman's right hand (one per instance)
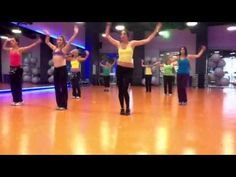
(46, 32)
(9, 39)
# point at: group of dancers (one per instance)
(124, 71)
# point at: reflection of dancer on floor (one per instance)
(125, 62)
(76, 59)
(106, 74)
(168, 75)
(60, 72)
(16, 71)
(148, 75)
(184, 71)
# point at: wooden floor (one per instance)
(92, 125)
(25, 85)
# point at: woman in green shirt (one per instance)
(168, 76)
(106, 74)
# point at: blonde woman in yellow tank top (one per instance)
(75, 59)
(148, 75)
(125, 63)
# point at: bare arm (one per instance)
(191, 56)
(83, 58)
(142, 64)
(113, 63)
(174, 58)
(135, 43)
(102, 65)
(156, 63)
(24, 49)
(67, 46)
(47, 41)
(69, 58)
(108, 36)
(4, 46)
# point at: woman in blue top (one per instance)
(184, 71)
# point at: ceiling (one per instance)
(99, 27)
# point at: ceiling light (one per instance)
(16, 31)
(231, 28)
(3, 37)
(120, 27)
(191, 24)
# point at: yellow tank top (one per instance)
(125, 55)
(75, 64)
(148, 71)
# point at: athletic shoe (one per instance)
(122, 111)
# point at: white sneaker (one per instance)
(13, 103)
(77, 97)
(73, 97)
(62, 109)
(19, 103)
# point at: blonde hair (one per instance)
(74, 51)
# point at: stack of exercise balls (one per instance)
(31, 71)
(216, 67)
(50, 71)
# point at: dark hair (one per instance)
(17, 39)
(126, 31)
(185, 50)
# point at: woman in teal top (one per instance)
(106, 74)
(184, 71)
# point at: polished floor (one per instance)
(25, 85)
(92, 125)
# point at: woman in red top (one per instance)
(16, 72)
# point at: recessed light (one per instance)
(191, 24)
(120, 27)
(231, 28)
(3, 37)
(16, 31)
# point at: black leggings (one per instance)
(124, 78)
(75, 81)
(148, 83)
(107, 81)
(60, 82)
(168, 82)
(16, 74)
(182, 83)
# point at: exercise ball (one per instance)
(147, 59)
(224, 82)
(219, 72)
(155, 80)
(33, 60)
(154, 60)
(35, 71)
(26, 61)
(211, 77)
(154, 69)
(221, 63)
(50, 62)
(143, 81)
(27, 78)
(35, 80)
(215, 57)
(26, 68)
(211, 64)
(51, 79)
(50, 71)
(217, 82)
